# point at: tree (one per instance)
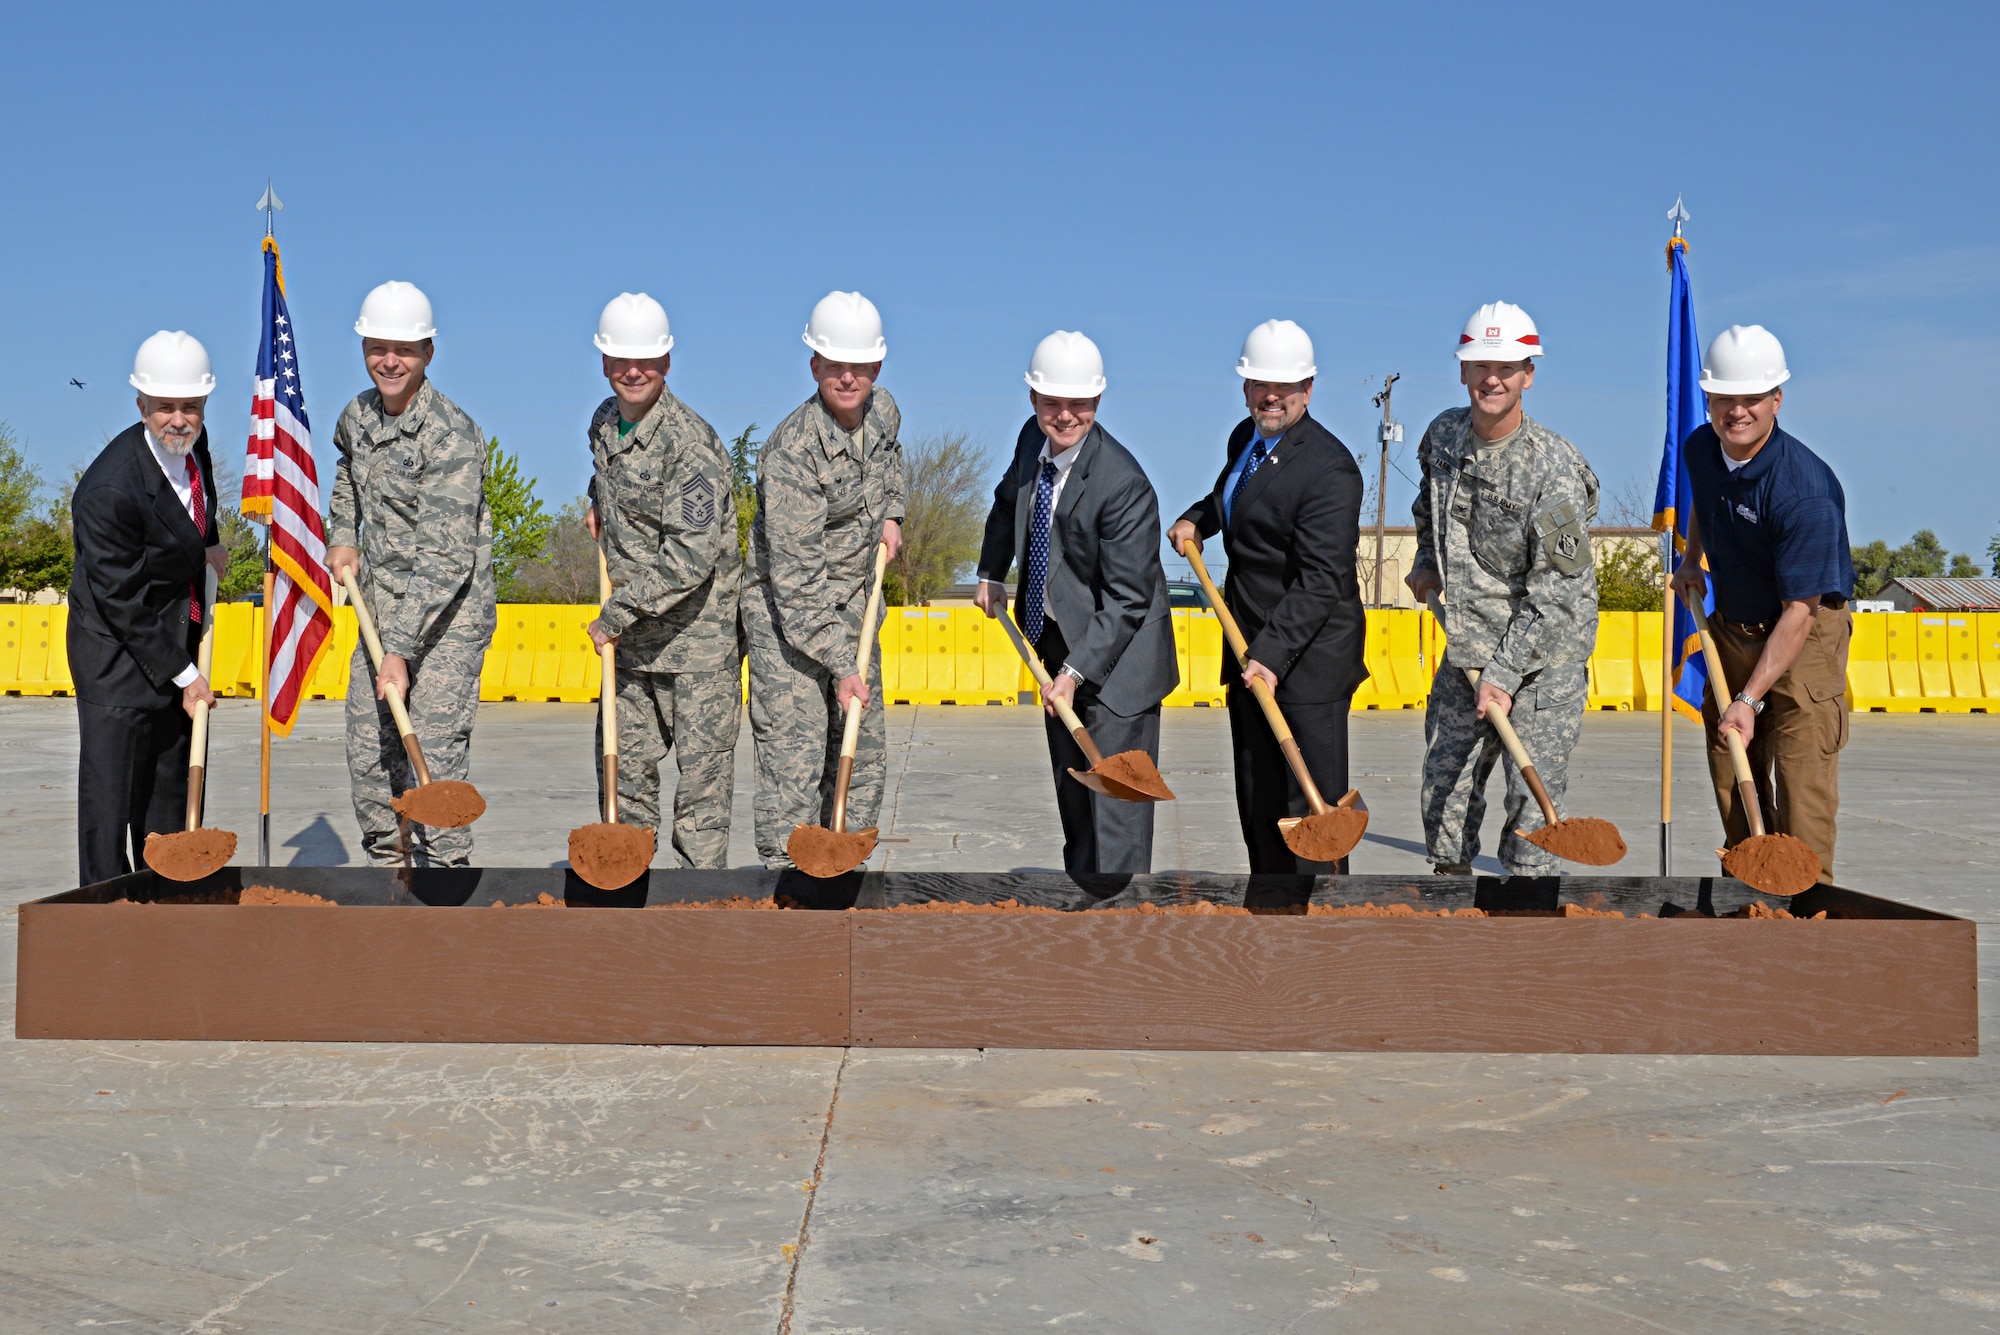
(41, 551)
(244, 540)
(520, 527)
(944, 516)
(1629, 577)
(20, 484)
(1993, 554)
(1878, 563)
(564, 570)
(743, 482)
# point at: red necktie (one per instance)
(199, 506)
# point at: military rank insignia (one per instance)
(697, 502)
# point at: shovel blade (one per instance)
(190, 854)
(1775, 864)
(1327, 837)
(1133, 772)
(1584, 839)
(823, 854)
(1097, 783)
(444, 804)
(611, 857)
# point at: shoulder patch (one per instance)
(1563, 536)
(697, 502)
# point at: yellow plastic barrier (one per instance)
(1897, 663)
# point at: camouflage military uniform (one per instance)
(1506, 526)
(821, 502)
(665, 507)
(410, 492)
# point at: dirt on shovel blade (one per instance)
(818, 851)
(1777, 864)
(1585, 839)
(1327, 837)
(445, 804)
(1134, 770)
(611, 857)
(191, 854)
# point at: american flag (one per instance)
(281, 489)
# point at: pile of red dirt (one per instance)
(1328, 836)
(733, 902)
(443, 803)
(611, 856)
(1134, 770)
(545, 900)
(1777, 864)
(820, 852)
(271, 894)
(190, 854)
(1584, 839)
(1758, 909)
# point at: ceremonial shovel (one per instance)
(195, 852)
(814, 849)
(445, 804)
(1776, 864)
(610, 855)
(1331, 832)
(1585, 839)
(1129, 776)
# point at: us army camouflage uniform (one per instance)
(667, 513)
(1506, 526)
(410, 492)
(821, 503)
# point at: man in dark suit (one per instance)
(144, 515)
(1288, 506)
(1093, 598)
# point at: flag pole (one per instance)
(268, 206)
(1678, 216)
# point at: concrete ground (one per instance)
(203, 1187)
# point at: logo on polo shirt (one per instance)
(1746, 512)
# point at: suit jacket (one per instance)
(1106, 586)
(1291, 541)
(137, 550)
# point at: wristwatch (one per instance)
(1074, 675)
(1745, 698)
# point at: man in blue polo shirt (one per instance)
(1771, 520)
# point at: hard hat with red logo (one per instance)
(1499, 332)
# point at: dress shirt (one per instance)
(1064, 460)
(181, 478)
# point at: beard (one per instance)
(180, 445)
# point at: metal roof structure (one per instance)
(1980, 594)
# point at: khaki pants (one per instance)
(1795, 757)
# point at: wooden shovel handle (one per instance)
(392, 695)
(1508, 737)
(204, 662)
(607, 695)
(1260, 689)
(850, 733)
(1043, 680)
(1739, 759)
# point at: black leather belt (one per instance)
(1758, 630)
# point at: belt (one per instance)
(1758, 630)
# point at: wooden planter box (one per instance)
(421, 957)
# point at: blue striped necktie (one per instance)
(1258, 449)
(1033, 595)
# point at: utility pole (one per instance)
(1390, 431)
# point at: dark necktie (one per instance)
(1258, 449)
(1034, 594)
(200, 516)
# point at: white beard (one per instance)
(178, 446)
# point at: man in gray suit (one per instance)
(1078, 511)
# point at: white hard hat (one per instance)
(1744, 359)
(846, 327)
(172, 364)
(634, 325)
(398, 312)
(1499, 332)
(1279, 352)
(1066, 365)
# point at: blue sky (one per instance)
(1162, 177)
